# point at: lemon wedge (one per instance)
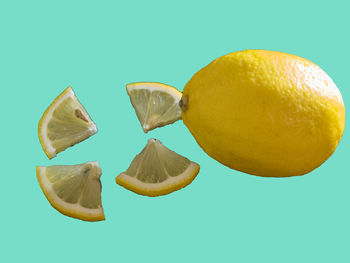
(158, 171)
(64, 124)
(156, 104)
(73, 190)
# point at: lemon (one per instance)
(264, 113)
(64, 124)
(74, 190)
(158, 171)
(156, 104)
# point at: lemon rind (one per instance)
(155, 86)
(166, 187)
(49, 150)
(71, 210)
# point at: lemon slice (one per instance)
(156, 104)
(64, 124)
(74, 190)
(158, 171)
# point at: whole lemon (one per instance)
(265, 113)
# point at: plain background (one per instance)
(99, 46)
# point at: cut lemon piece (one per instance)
(74, 190)
(156, 104)
(64, 124)
(158, 171)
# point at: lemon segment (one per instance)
(158, 171)
(156, 104)
(73, 190)
(64, 124)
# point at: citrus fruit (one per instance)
(264, 113)
(158, 171)
(64, 124)
(156, 104)
(74, 190)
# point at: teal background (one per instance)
(223, 216)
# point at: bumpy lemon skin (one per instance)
(265, 113)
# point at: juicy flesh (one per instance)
(154, 109)
(69, 125)
(156, 163)
(77, 184)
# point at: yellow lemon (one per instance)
(264, 113)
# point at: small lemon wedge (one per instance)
(73, 190)
(158, 171)
(156, 104)
(64, 124)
